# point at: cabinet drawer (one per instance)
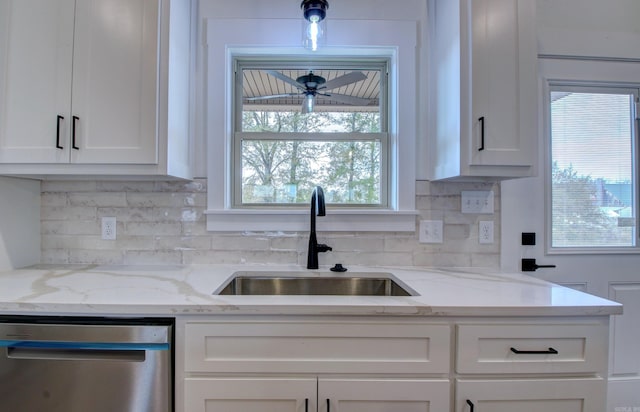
(532, 348)
(317, 347)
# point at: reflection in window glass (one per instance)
(592, 179)
(309, 101)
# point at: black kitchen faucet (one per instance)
(317, 208)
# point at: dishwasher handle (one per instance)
(126, 352)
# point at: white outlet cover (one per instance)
(108, 228)
(485, 232)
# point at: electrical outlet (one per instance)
(431, 231)
(477, 201)
(109, 228)
(485, 232)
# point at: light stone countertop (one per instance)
(187, 290)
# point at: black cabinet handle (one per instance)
(549, 351)
(306, 405)
(328, 405)
(470, 405)
(481, 120)
(58, 132)
(73, 133)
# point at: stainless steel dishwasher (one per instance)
(62, 364)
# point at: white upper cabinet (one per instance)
(36, 51)
(86, 87)
(115, 78)
(483, 86)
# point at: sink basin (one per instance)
(299, 283)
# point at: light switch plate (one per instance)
(431, 231)
(477, 201)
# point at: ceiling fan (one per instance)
(311, 85)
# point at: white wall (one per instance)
(600, 28)
(589, 15)
(19, 222)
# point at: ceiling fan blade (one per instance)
(344, 80)
(284, 78)
(343, 98)
(273, 96)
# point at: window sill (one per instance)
(340, 220)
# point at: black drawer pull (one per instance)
(470, 405)
(549, 351)
(306, 405)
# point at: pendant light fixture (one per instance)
(314, 28)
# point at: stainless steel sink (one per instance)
(355, 284)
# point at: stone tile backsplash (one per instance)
(164, 223)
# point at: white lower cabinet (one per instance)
(233, 394)
(392, 395)
(391, 364)
(275, 394)
(530, 395)
(314, 364)
(539, 366)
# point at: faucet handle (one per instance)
(323, 248)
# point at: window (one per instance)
(594, 177)
(299, 124)
(355, 45)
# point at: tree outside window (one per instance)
(592, 176)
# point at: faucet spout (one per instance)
(317, 209)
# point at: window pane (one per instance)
(299, 127)
(286, 171)
(296, 122)
(300, 100)
(592, 170)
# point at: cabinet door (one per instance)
(115, 81)
(250, 395)
(36, 41)
(503, 82)
(531, 395)
(383, 395)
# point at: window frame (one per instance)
(396, 39)
(585, 85)
(275, 62)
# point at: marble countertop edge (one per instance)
(106, 290)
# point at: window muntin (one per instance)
(593, 179)
(281, 152)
